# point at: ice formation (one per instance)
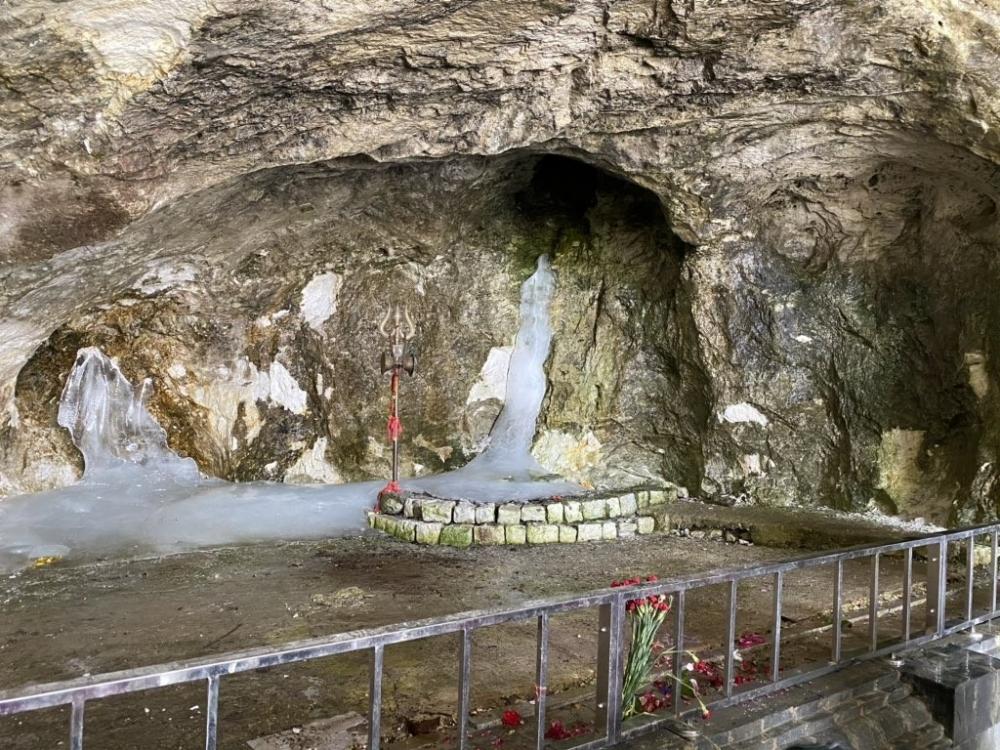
(137, 496)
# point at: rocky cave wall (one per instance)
(775, 226)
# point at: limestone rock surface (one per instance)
(775, 227)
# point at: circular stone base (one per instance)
(425, 519)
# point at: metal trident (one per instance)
(398, 328)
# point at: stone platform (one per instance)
(425, 519)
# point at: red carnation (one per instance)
(511, 718)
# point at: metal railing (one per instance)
(611, 642)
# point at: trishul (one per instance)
(397, 326)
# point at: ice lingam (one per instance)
(139, 497)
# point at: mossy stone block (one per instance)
(403, 528)
(490, 534)
(411, 507)
(464, 513)
(542, 533)
(594, 509)
(589, 532)
(437, 511)
(533, 514)
(456, 535)
(614, 507)
(567, 534)
(554, 513)
(572, 511)
(508, 514)
(515, 534)
(609, 530)
(628, 505)
(627, 529)
(371, 519)
(391, 504)
(645, 525)
(659, 497)
(642, 499)
(428, 533)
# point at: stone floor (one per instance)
(61, 622)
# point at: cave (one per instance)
(729, 268)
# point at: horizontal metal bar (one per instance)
(128, 681)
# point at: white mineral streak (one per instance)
(138, 496)
(492, 381)
(743, 412)
(284, 389)
(313, 468)
(137, 41)
(319, 299)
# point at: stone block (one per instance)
(411, 507)
(542, 533)
(657, 497)
(459, 535)
(589, 532)
(380, 522)
(371, 519)
(609, 530)
(428, 533)
(661, 519)
(645, 525)
(516, 534)
(486, 513)
(437, 511)
(627, 529)
(642, 499)
(464, 513)
(682, 492)
(628, 504)
(490, 534)
(614, 507)
(508, 514)
(533, 513)
(594, 509)
(572, 511)
(391, 504)
(567, 534)
(554, 513)
(403, 528)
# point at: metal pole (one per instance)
(937, 585)
(541, 678)
(212, 713)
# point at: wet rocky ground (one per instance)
(65, 621)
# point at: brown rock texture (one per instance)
(774, 222)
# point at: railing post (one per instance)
(907, 592)
(375, 698)
(873, 595)
(937, 585)
(212, 713)
(464, 685)
(678, 688)
(541, 678)
(609, 668)
(76, 725)
(970, 578)
(779, 579)
(730, 637)
(993, 572)
(838, 608)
